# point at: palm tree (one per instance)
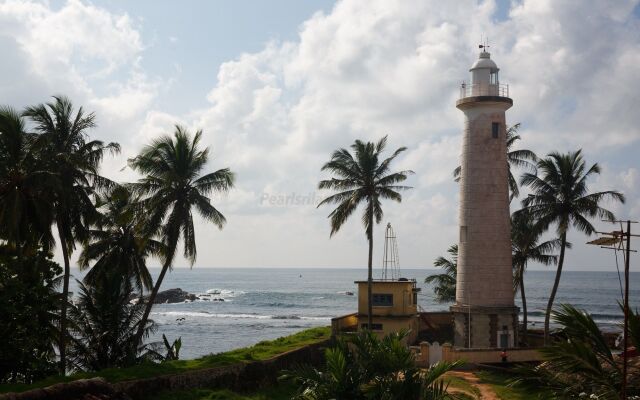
(561, 197)
(525, 247)
(362, 178)
(516, 158)
(581, 364)
(105, 324)
(172, 188)
(371, 368)
(68, 154)
(445, 284)
(25, 214)
(118, 243)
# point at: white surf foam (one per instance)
(201, 314)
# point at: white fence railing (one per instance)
(484, 89)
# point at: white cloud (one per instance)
(79, 50)
(77, 35)
(129, 100)
(364, 70)
(372, 68)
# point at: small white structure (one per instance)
(484, 313)
(435, 353)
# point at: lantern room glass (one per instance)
(493, 78)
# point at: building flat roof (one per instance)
(388, 281)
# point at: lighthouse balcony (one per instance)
(478, 93)
(483, 89)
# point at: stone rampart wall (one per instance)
(242, 376)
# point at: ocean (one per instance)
(266, 303)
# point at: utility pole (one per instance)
(616, 240)
(626, 313)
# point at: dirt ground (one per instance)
(486, 393)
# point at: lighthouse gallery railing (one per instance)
(484, 89)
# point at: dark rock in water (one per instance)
(285, 317)
(174, 296)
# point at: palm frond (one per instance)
(361, 178)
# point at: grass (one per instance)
(261, 351)
(456, 382)
(280, 392)
(499, 383)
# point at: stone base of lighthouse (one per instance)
(485, 327)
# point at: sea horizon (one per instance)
(550, 269)
(267, 303)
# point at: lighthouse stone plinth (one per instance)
(484, 312)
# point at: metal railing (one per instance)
(484, 89)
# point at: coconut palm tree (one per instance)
(362, 178)
(118, 243)
(105, 324)
(67, 153)
(581, 364)
(172, 188)
(525, 247)
(445, 284)
(516, 158)
(561, 197)
(25, 212)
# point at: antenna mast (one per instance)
(484, 43)
(391, 259)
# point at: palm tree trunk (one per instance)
(547, 317)
(149, 306)
(524, 308)
(370, 275)
(62, 344)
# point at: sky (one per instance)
(277, 86)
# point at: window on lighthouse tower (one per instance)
(495, 129)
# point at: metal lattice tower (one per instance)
(391, 258)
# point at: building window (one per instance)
(374, 327)
(495, 129)
(382, 300)
(415, 297)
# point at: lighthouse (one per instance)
(484, 313)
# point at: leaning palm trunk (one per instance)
(172, 189)
(150, 301)
(561, 197)
(62, 344)
(554, 290)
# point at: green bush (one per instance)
(29, 305)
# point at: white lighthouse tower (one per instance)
(484, 313)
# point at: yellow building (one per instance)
(395, 306)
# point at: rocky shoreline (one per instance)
(177, 295)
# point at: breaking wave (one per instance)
(204, 314)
